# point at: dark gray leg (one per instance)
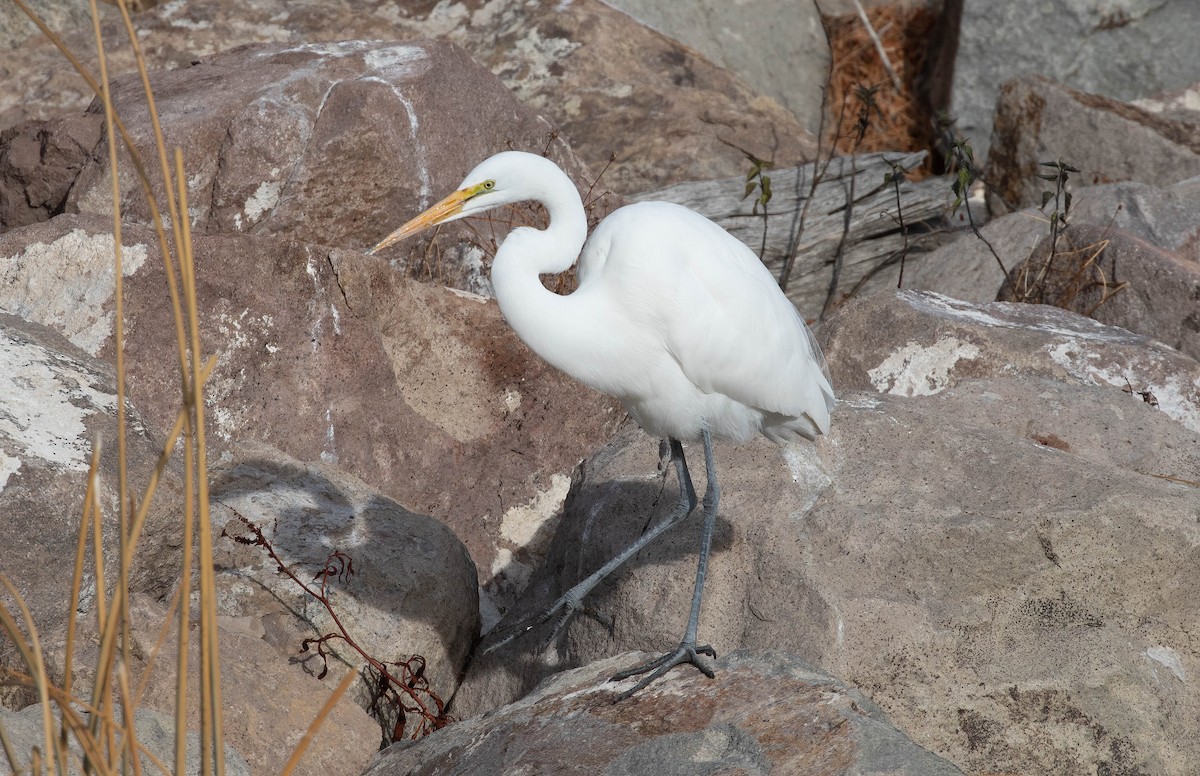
(687, 651)
(572, 600)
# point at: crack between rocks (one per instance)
(338, 279)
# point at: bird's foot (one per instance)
(687, 652)
(560, 611)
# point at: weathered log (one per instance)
(873, 238)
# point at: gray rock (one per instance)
(268, 697)
(1108, 141)
(945, 341)
(55, 403)
(1124, 49)
(155, 732)
(763, 714)
(1109, 275)
(411, 589)
(994, 542)
(775, 46)
(965, 269)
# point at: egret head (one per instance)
(499, 180)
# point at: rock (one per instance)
(268, 700)
(873, 241)
(1115, 278)
(16, 27)
(411, 589)
(39, 162)
(776, 47)
(55, 403)
(1038, 120)
(993, 542)
(763, 714)
(332, 356)
(335, 144)
(946, 340)
(155, 731)
(1125, 50)
(613, 85)
(966, 269)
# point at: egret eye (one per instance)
(489, 185)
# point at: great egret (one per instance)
(673, 316)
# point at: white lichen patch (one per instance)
(916, 370)
(509, 573)
(45, 400)
(1008, 315)
(512, 400)
(1176, 397)
(397, 61)
(481, 299)
(237, 333)
(1168, 658)
(264, 198)
(522, 524)
(444, 18)
(8, 467)
(804, 464)
(68, 285)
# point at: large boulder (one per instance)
(268, 700)
(1108, 274)
(408, 586)
(763, 714)
(329, 355)
(776, 46)
(994, 542)
(56, 404)
(1125, 50)
(335, 144)
(613, 85)
(1167, 217)
(1108, 141)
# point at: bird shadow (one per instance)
(599, 520)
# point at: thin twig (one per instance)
(887, 63)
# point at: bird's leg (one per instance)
(687, 651)
(572, 600)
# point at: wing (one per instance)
(715, 306)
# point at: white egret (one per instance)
(673, 316)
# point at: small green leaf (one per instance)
(1066, 203)
(1046, 197)
(750, 185)
(765, 182)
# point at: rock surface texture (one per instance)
(1124, 49)
(764, 714)
(333, 356)
(993, 541)
(612, 85)
(1107, 140)
(987, 566)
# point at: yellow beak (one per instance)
(450, 206)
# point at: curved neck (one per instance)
(563, 330)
